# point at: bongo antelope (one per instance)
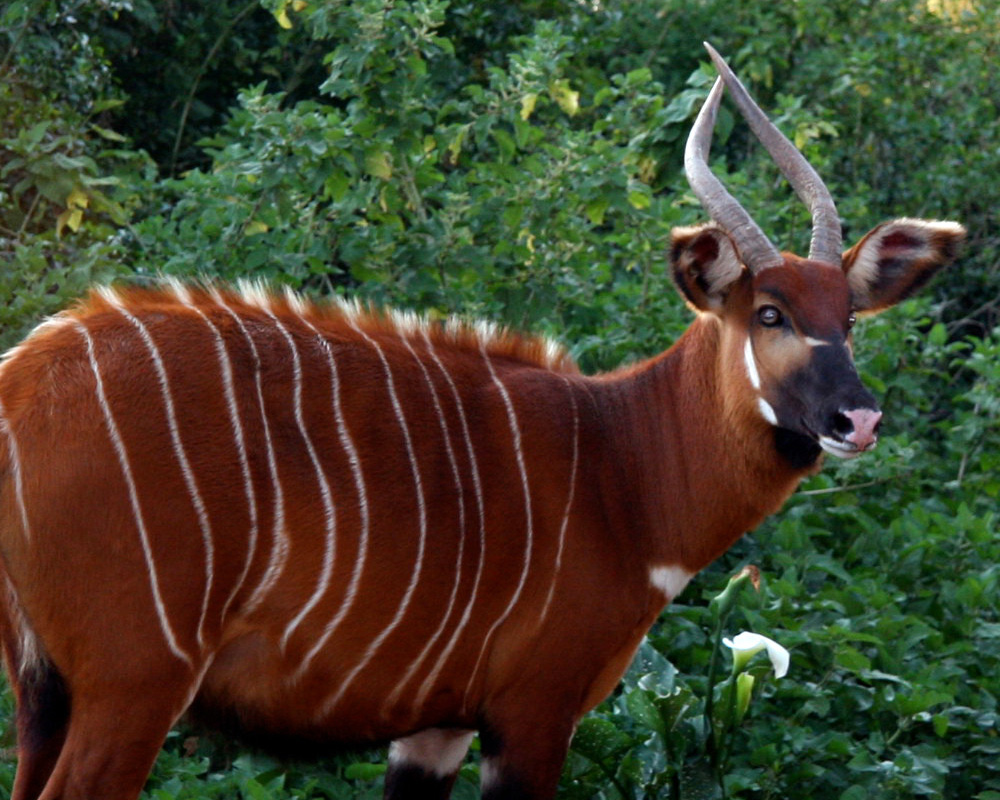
(320, 523)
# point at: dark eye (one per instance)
(769, 317)
(851, 319)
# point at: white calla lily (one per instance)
(746, 644)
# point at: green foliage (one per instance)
(196, 57)
(66, 184)
(416, 195)
(521, 162)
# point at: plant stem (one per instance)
(253, 4)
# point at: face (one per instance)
(798, 360)
(791, 324)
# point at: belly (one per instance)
(348, 696)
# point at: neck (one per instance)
(700, 464)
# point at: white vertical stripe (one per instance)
(569, 501)
(433, 673)
(329, 516)
(279, 542)
(359, 484)
(750, 362)
(14, 456)
(373, 648)
(119, 447)
(456, 475)
(529, 528)
(179, 453)
(767, 411)
(229, 388)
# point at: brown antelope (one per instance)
(317, 523)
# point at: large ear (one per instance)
(897, 258)
(705, 265)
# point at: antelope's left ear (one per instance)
(897, 258)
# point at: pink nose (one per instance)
(865, 422)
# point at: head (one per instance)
(788, 320)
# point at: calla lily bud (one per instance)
(723, 602)
(744, 692)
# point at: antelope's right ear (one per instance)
(897, 258)
(705, 265)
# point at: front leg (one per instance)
(424, 766)
(523, 754)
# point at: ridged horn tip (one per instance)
(827, 241)
(756, 250)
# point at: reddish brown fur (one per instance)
(663, 464)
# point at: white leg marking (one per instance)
(433, 673)
(359, 484)
(767, 411)
(30, 656)
(15, 468)
(436, 750)
(373, 648)
(329, 516)
(119, 447)
(569, 502)
(489, 774)
(670, 579)
(279, 543)
(179, 453)
(751, 364)
(529, 527)
(229, 388)
(456, 475)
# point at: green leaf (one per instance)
(107, 133)
(599, 739)
(643, 708)
(639, 199)
(378, 162)
(595, 210)
(362, 771)
(920, 699)
(851, 659)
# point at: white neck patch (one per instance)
(670, 579)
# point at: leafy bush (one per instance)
(65, 182)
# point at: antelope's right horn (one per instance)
(827, 241)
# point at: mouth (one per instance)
(840, 448)
(836, 446)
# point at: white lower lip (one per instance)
(838, 449)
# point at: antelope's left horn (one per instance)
(756, 250)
